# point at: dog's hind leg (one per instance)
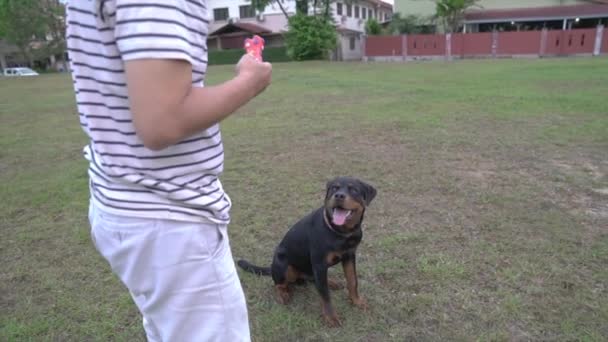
(283, 275)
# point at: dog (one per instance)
(327, 236)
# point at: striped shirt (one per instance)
(179, 182)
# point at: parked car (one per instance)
(19, 72)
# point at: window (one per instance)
(246, 11)
(352, 43)
(363, 12)
(376, 14)
(356, 11)
(220, 14)
(349, 10)
(369, 13)
(339, 8)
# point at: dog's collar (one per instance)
(328, 224)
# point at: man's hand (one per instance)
(258, 74)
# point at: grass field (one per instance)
(490, 224)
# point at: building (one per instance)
(350, 18)
(514, 15)
(234, 20)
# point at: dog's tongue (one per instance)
(339, 216)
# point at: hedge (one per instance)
(232, 56)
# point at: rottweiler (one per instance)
(320, 240)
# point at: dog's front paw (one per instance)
(334, 285)
(360, 302)
(332, 320)
(283, 295)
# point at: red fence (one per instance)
(497, 44)
(571, 42)
(519, 43)
(471, 44)
(385, 45)
(425, 44)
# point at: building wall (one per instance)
(275, 20)
(358, 24)
(350, 52)
(427, 7)
(233, 7)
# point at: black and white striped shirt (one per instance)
(180, 182)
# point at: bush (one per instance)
(373, 27)
(232, 56)
(310, 37)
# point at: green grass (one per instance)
(489, 224)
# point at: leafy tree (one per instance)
(373, 27)
(21, 24)
(36, 27)
(451, 12)
(309, 37)
(53, 12)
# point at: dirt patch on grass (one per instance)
(582, 191)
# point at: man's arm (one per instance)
(166, 107)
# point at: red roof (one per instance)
(238, 26)
(542, 13)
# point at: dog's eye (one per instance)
(335, 188)
(353, 190)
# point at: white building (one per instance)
(233, 20)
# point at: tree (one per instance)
(373, 27)
(309, 37)
(53, 12)
(21, 24)
(451, 12)
(36, 27)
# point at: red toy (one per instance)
(254, 47)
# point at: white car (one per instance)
(19, 72)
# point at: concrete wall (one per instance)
(348, 54)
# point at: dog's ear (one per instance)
(368, 191)
(328, 187)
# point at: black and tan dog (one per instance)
(320, 240)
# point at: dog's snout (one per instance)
(340, 195)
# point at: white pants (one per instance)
(181, 276)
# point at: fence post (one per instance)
(543, 42)
(404, 47)
(364, 46)
(494, 43)
(599, 33)
(448, 46)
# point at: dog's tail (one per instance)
(249, 267)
